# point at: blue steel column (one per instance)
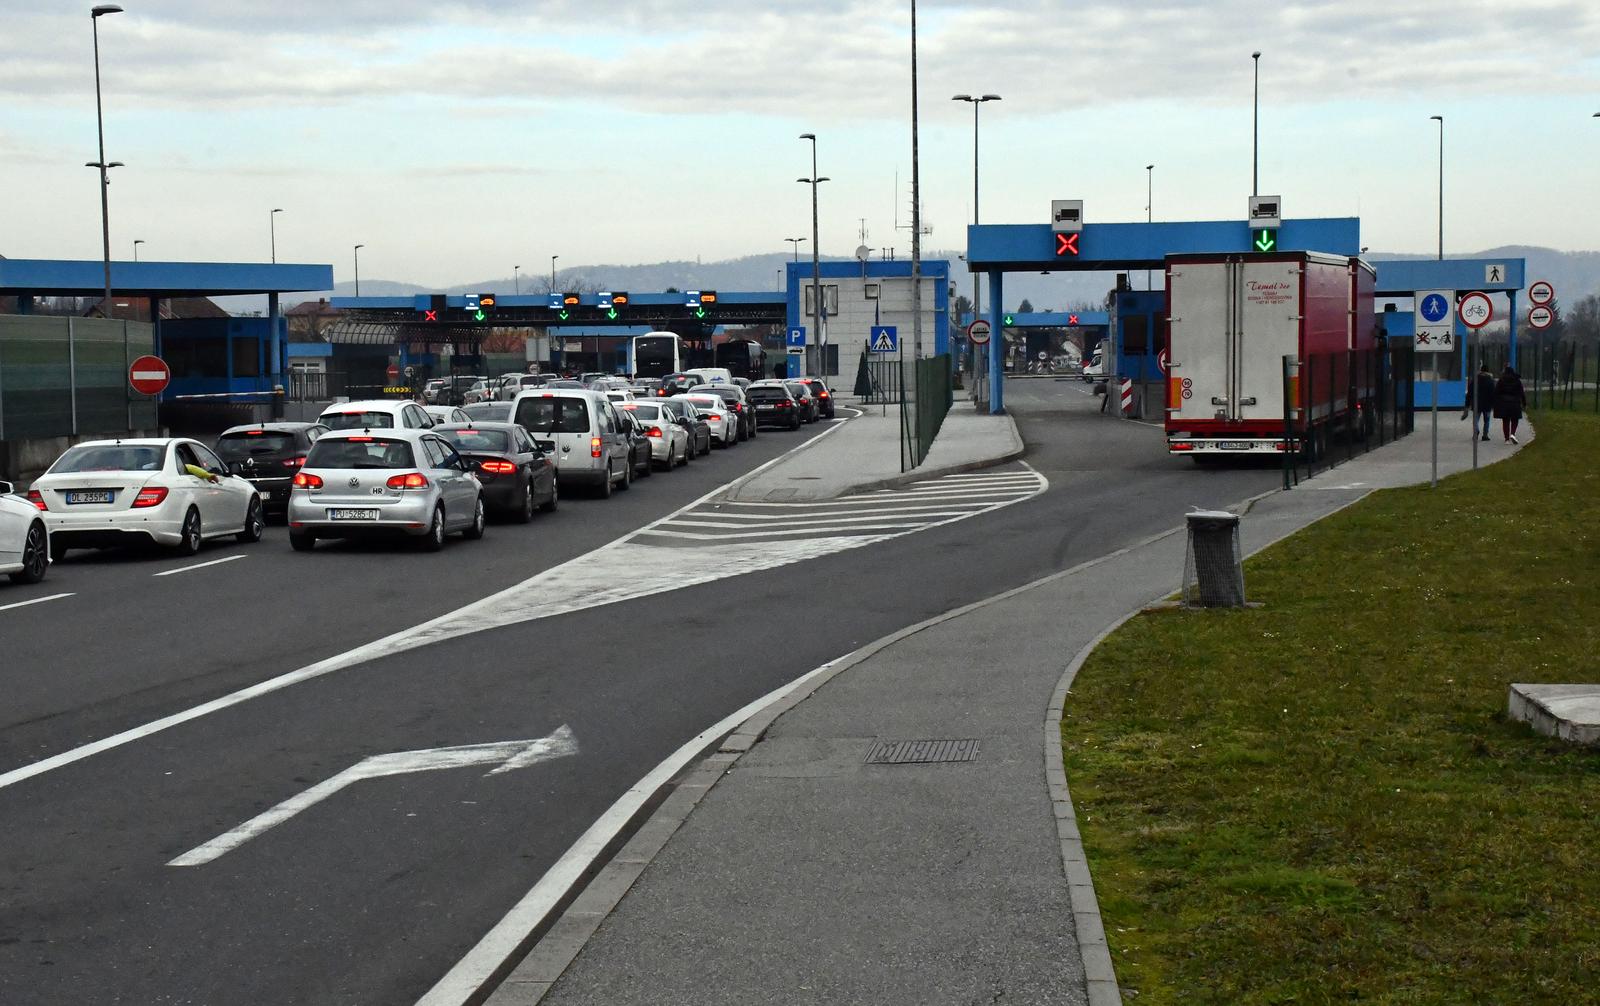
(275, 368)
(997, 383)
(1512, 337)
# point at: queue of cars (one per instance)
(385, 467)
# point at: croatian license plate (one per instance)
(1234, 445)
(92, 496)
(353, 514)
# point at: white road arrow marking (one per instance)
(504, 755)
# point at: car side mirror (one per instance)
(6, 489)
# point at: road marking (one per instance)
(486, 613)
(37, 600)
(781, 532)
(200, 565)
(504, 755)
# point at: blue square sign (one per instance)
(795, 337)
(884, 339)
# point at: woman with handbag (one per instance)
(1509, 401)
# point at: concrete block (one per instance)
(1568, 712)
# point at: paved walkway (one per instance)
(807, 875)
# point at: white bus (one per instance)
(657, 354)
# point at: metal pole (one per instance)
(100, 131)
(1433, 482)
(1473, 353)
(1440, 120)
(1149, 204)
(358, 268)
(977, 280)
(272, 231)
(1255, 128)
(72, 371)
(916, 205)
(553, 272)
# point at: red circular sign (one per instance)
(393, 371)
(1162, 361)
(149, 375)
(978, 332)
(1475, 310)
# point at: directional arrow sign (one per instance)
(1266, 239)
(612, 314)
(503, 755)
(1009, 320)
(563, 315)
(478, 316)
(699, 312)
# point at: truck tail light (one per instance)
(1182, 445)
(497, 467)
(306, 480)
(410, 480)
(594, 447)
(37, 499)
(149, 497)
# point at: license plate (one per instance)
(1235, 445)
(352, 515)
(765, 408)
(96, 496)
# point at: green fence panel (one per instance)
(60, 376)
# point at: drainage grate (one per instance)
(922, 752)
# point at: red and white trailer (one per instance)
(1233, 320)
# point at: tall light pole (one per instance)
(516, 277)
(1440, 120)
(272, 231)
(816, 259)
(1255, 128)
(796, 242)
(358, 268)
(1149, 203)
(105, 168)
(137, 242)
(977, 292)
(553, 272)
(916, 209)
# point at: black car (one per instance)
(639, 449)
(775, 405)
(808, 404)
(677, 384)
(735, 398)
(267, 455)
(686, 416)
(821, 393)
(517, 477)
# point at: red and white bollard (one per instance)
(1127, 397)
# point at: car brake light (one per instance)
(822, 394)
(37, 499)
(594, 447)
(360, 440)
(410, 480)
(149, 497)
(252, 433)
(497, 467)
(305, 480)
(785, 404)
(294, 462)
(653, 431)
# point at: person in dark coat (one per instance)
(1509, 401)
(1480, 399)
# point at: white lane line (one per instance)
(37, 600)
(778, 533)
(957, 495)
(812, 522)
(200, 565)
(982, 477)
(496, 610)
(853, 515)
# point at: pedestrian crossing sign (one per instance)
(885, 339)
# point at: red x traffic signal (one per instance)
(1066, 244)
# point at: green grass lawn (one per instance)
(1321, 800)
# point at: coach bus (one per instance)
(657, 354)
(743, 358)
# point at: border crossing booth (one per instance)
(1139, 329)
(1400, 281)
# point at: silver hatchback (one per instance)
(399, 482)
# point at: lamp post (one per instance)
(358, 268)
(516, 278)
(1149, 203)
(553, 272)
(137, 242)
(272, 231)
(796, 242)
(1440, 120)
(816, 260)
(105, 168)
(1255, 127)
(977, 293)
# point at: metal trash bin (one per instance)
(1213, 567)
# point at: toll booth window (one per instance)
(195, 356)
(1135, 333)
(246, 356)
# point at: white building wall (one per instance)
(851, 327)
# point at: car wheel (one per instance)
(254, 524)
(795, 424)
(648, 468)
(190, 534)
(627, 475)
(672, 459)
(525, 512)
(474, 531)
(302, 542)
(433, 541)
(34, 559)
(549, 505)
(605, 485)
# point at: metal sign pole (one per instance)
(1473, 358)
(1434, 481)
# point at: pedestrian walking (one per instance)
(1509, 401)
(1480, 399)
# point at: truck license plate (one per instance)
(1234, 445)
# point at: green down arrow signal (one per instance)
(699, 312)
(1266, 240)
(612, 314)
(1008, 319)
(478, 317)
(563, 315)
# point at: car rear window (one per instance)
(478, 440)
(707, 401)
(768, 394)
(360, 452)
(553, 415)
(109, 458)
(499, 412)
(357, 420)
(643, 410)
(251, 443)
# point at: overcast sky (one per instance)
(456, 140)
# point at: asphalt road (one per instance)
(371, 895)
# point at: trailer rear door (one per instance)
(1269, 327)
(1200, 296)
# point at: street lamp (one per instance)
(272, 229)
(977, 298)
(137, 242)
(1149, 202)
(816, 259)
(358, 268)
(516, 277)
(796, 242)
(553, 272)
(1255, 127)
(1440, 120)
(100, 130)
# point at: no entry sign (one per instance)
(978, 332)
(149, 375)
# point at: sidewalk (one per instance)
(805, 875)
(864, 454)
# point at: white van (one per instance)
(1095, 368)
(712, 375)
(582, 430)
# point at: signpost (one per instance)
(978, 335)
(1475, 310)
(885, 339)
(978, 332)
(1435, 334)
(149, 375)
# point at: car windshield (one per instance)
(360, 452)
(553, 415)
(109, 458)
(499, 412)
(357, 420)
(479, 440)
(249, 443)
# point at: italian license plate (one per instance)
(349, 514)
(1234, 445)
(92, 496)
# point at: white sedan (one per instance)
(442, 414)
(723, 420)
(24, 542)
(171, 491)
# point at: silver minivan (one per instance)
(582, 430)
